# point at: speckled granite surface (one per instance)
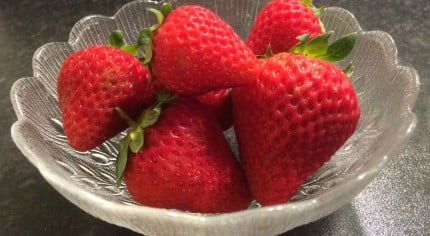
(396, 203)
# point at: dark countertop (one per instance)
(396, 202)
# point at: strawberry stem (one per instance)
(116, 39)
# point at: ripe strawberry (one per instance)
(218, 102)
(185, 163)
(195, 52)
(279, 24)
(91, 83)
(290, 121)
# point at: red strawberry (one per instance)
(279, 24)
(290, 121)
(91, 83)
(185, 163)
(219, 103)
(195, 51)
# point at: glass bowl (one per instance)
(386, 90)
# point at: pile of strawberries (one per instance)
(188, 78)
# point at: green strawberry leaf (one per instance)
(160, 14)
(151, 116)
(145, 40)
(147, 50)
(165, 97)
(166, 9)
(300, 47)
(314, 47)
(269, 52)
(340, 49)
(160, 19)
(116, 39)
(321, 24)
(318, 45)
(137, 140)
(318, 11)
(133, 49)
(121, 160)
(145, 37)
(349, 70)
(303, 38)
(307, 3)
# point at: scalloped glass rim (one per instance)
(321, 205)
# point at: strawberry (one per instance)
(91, 83)
(195, 51)
(218, 102)
(279, 24)
(293, 118)
(185, 163)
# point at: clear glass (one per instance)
(387, 92)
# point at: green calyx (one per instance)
(161, 14)
(349, 70)
(309, 4)
(147, 34)
(144, 38)
(135, 139)
(317, 10)
(269, 53)
(116, 39)
(319, 47)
